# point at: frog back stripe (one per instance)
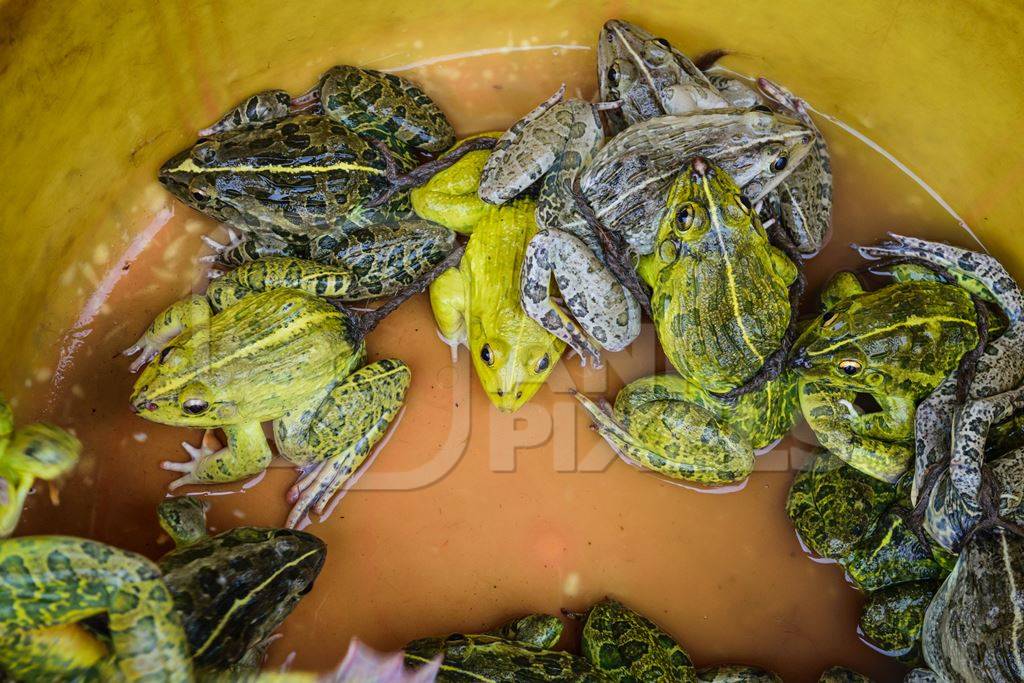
(463, 672)
(911, 321)
(281, 334)
(238, 604)
(189, 166)
(734, 299)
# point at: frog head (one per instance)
(901, 340)
(512, 360)
(649, 76)
(187, 177)
(183, 518)
(720, 290)
(251, 363)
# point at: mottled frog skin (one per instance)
(896, 345)
(261, 346)
(627, 646)
(233, 590)
(720, 304)
(972, 628)
(284, 178)
(49, 583)
(648, 76)
(736, 673)
(862, 523)
(626, 183)
(37, 451)
(477, 303)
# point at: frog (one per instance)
(967, 465)
(972, 625)
(802, 202)
(283, 174)
(515, 651)
(263, 344)
(476, 304)
(841, 674)
(53, 582)
(262, 574)
(601, 204)
(628, 646)
(681, 425)
(865, 526)
(895, 345)
(39, 451)
(179, 601)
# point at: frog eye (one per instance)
(195, 406)
(850, 367)
(543, 364)
(486, 356)
(684, 217)
(780, 163)
(613, 76)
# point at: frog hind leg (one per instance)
(36, 451)
(64, 652)
(56, 580)
(268, 105)
(385, 107)
(331, 441)
(448, 302)
(384, 258)
(658, 424)
(603, 310)
(558, 135)
(246, 454)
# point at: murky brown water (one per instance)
(469, 516)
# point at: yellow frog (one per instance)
(477, 303)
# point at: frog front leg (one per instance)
(601, 307)
(333, 437)
(36, 451)
(843, 431)
(246, 454)
(448, 302)
(189, 313)
(659, 423)
(50, 581)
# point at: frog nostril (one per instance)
(519, 394)
(501, 392)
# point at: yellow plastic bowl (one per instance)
(95, 95)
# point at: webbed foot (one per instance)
(209, 446)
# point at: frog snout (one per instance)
(700, 166)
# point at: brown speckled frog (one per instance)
(285, 173)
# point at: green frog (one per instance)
(599, 203)
(477, 303)
(263, 345)
(864, 524)
(261, 574)
(627, 646)
(896, 345)
(285, 174)
(228, 594)
(50, 583)
(721, 307)
(37, 451)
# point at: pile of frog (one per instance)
(686, 194)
